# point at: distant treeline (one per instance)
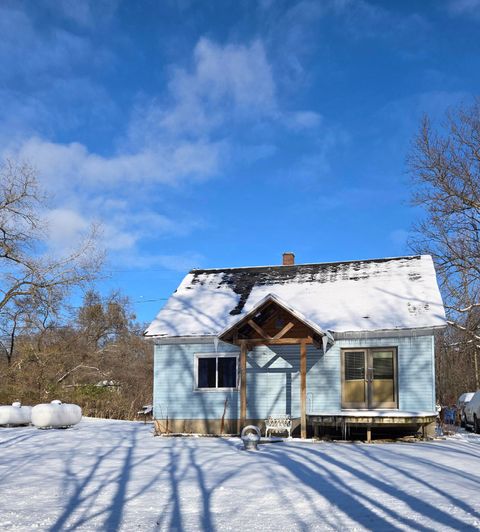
(98, 359)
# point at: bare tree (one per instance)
(96, 356)
(103, 320)
(445, 165)
(32, 280)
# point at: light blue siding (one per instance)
(416, 385)
(173, 389)
(273, 379)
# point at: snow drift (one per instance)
(56, 415)
(15, 414)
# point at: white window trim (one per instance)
(215, 355)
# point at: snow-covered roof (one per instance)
(365, 295)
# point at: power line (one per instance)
(151, 300)
(133, 302)
(144, 271)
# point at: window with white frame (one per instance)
(216, 372)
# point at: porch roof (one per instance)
(271, 298)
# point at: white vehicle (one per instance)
(462, 401)
(471, 413)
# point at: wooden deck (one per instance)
(369, 419)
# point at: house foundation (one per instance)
(397, 421)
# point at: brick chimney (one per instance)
(288, 258)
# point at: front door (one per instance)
(369, 378)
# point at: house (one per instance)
(351, 341)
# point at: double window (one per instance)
(216, 372)
(369, 378)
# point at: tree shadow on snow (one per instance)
(315, 469)
(367, 485)
(86, 486)
(417, 478)
(189, 465)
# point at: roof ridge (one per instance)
(379, 259)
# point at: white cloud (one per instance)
(240, 73)
(226, 84)
(363, 19)
(185, 134)
(64, 165)
(181, 262)
(464, 7)
(65, 229)
(296, 32)
(402, 117)
(293, 33)
(121, 231)
(172, 141)
(227, 87)
(122, 234)
(35, 55)
(303, 120)
(85, 13)
(48, 72)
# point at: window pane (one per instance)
(227, 372)
(206, 372)
(382, 365)
(354, 365)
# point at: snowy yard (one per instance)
(110, 475)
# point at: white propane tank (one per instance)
(15, 415)
(56, 415)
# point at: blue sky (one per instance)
(215, 134)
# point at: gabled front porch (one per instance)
(367, 377)
(272, 322)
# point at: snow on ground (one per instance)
(114, 475)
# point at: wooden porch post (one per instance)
(303, 390)
(243, 384)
